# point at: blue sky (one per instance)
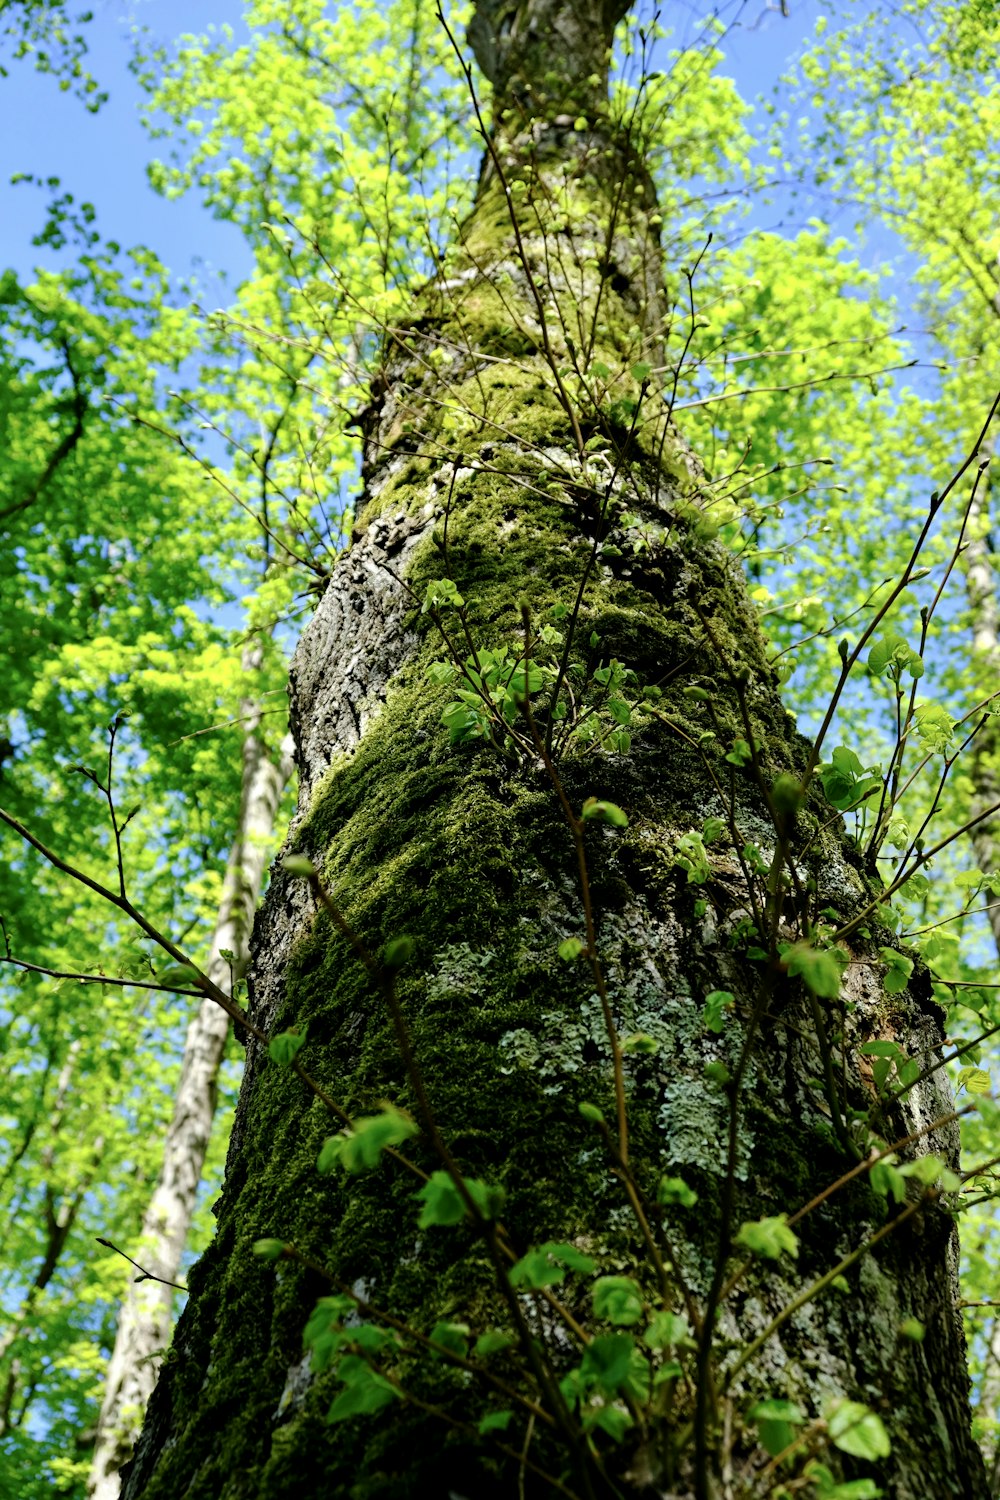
(102, 158)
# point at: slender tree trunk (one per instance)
(146, 1318)
(490, 467)
(981, 592)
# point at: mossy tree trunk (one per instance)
(525, 496)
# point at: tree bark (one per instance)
(146, 1318)
(486, 463)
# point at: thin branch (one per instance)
(144, 1274)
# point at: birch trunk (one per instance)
(981, 593)
(481, 467)
(146, 1318)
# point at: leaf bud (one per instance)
(786, 793)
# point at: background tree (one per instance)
(54, 39)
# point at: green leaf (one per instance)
(269, 1249)
(887, 1180)
(975, 1080)
(641, 371)
(299, 865)
(536, 1269)
(671, 1369)
(360, 1148)
(881, 1049)
(443, 1205)
(856, 1430)
(398, 951)
(591, 1112)
(935, 726)
(769, 1237)
(640, 1044)
(178, 976)
(370, 1338)
(666, 1329)
(324, 1334)
(899, 969)
(547, 1265)
(330, 1152)
(828, 1488)
(691, 855)
(441, 593)
(606, 812)
(494, 1421)
(818, 968)
(285, 1047)
(675, 1190)
(452, 1336)
(607, 1359)
(493, 1341)
(739, 754)
(617, 1299)
(930, 1169)
(571, 948)
(714, 1013)
(846, 782)
(523, 683)
(366, 1391)
(614, 1420)
(881, 654)
(776, 1421)
(463, 722)
(892, 656)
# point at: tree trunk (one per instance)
(495, 475)
(146, 1318)
(980, 588)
